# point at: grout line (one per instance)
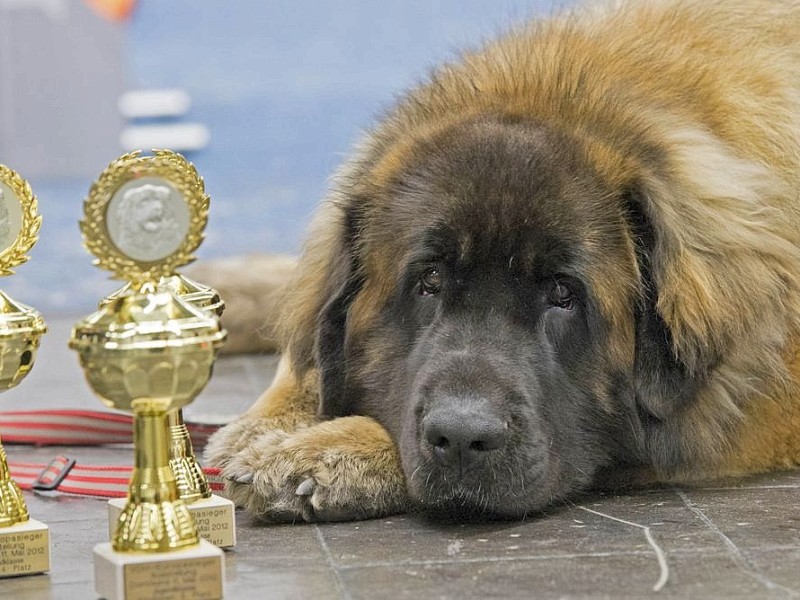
(343, 593)
(662, 559)
(705, 552)
(738, 556)
(787, 486)
(489, 559)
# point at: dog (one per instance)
(568, 258)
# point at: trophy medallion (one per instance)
(149, 352)
(24, 542)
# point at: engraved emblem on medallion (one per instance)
(145, 215)
(147, 221)
(10, 218)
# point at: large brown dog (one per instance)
(571, 255)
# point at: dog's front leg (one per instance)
(283, 464)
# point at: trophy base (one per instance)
(24, 549)
(215, 518)
(195, 572)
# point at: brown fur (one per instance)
(251, 285)
(699, 104)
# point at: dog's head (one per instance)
(496, 300)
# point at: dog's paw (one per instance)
(337, 470)
(235, 437)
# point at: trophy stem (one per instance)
(155, 519)
(13, 509)
(191, 481)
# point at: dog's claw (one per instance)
(246, 479)
(306, 487)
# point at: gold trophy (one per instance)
(24, 542)
(215, 516)
(149, 352)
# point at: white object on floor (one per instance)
(140, 104)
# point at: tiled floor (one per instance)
(728, 540)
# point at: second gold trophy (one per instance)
(150, 352)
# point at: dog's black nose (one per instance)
(461, 435)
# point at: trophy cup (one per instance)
(24, 542)
(149, 352)
(214, 515)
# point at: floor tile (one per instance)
(778, 568)
(605, 576)
(277, 582)
(749, 518)
(609, 525)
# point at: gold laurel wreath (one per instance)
(16, 254)
(179, 173)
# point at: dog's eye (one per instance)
(561, 296)
(430, 282)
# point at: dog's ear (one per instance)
(315, 323)
(718, 256)
(663, 382)
(345, 281)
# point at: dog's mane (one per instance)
(705, 122)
